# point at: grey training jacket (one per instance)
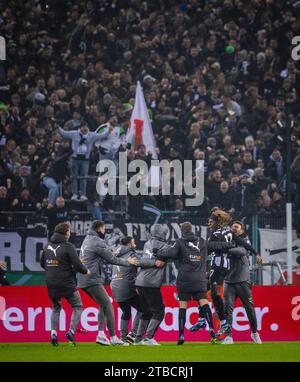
(239, 270)
(149, 275)
(75, 137)
(123, 278)
(93, 251)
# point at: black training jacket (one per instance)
(191, 253)
(60, 261)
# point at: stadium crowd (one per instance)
(218, 84)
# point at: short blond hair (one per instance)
(186, 228)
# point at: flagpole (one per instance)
(289, 215)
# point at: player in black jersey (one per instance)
(220, 231)
(220, 263)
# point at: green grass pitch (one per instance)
(169, 351)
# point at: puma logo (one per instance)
(193, 246)
(147, 252)
(53, 249)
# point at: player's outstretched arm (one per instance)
(107, 255)
(77, 264)
(219, 246)
(170, 252)
(148, 258)
(144, 262)
(238, 252)
(239, 241)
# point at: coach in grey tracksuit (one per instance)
(93, 251)
(238, 283)
(148, 282)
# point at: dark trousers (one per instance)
(154, 306)
(133, 302)
(152, 302)
(242, 290)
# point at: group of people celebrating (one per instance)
(221, 260)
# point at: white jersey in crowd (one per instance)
(114, 139)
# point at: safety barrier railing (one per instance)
(273, 265)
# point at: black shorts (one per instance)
(217, 275)
(187, 296)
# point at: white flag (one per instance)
(140, 129)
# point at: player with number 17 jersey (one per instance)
(220, 262)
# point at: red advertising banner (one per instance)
(25, 316)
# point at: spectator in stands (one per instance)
(25, 176)
(260, 180)
(4, 173)
(266, 206)
(5, 200)
(213, 182)
(278, 203)
(237, 165)
(179, 206)
(251, 147)
(246, 196)
(82, 144)
(248, 162)
(24, 202)
(224, 198)
(5, 206)
(212, 84)
(56, 214)
(274, 168)
(56, 173)
(143, 155)
(114, 138)
(296, 178)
